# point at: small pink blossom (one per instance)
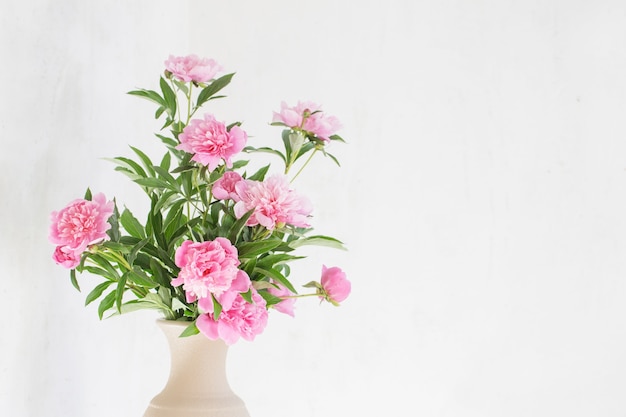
(191, 68)
(308, 116)
(206, 268)
(335, 285)
(224, 187)
(287, 305)
(242, 320)
(211, 142)
(66, 257)
(81, 223)
(274, 203)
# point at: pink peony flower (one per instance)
(207, 268)
(240, 284)
(274, 203)
(80, 224)
(242, 320)
(210, 141)
(224, 188)
(335, 285)
(191, 68)
(309, 117)
(66, 257)
(287, 305)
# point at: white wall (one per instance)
(482, 197)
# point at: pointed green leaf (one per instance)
(97, 292)
(217, 308)
(247, 296)
(190, 330)
(264, 149)
(73, 279)
(147, 163)
(132, 225)
(317, 241)
(169, 96)
(167, 177)
(129, 164)
(236, 228)
(106, 303)
(251, 249)
(274, 274)
(260, 174)
(149, 95)
(119, 291)
(209, 91)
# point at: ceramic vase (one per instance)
(197, 385)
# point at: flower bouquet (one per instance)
(216, 244)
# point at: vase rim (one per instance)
(178, 323)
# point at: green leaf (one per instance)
(168, 141)
(166, 161)
(155, 183)
(304, 149)
(270, 299)
(178, 305)
(190, 330)
(217, 308)
(114, 231)
(94, 270)
(73, 279)
(147, 163)
(133, 253)
(88, 195)
(132, 225)
(166, 296)
(149, 95)
(276, 258)
(174, 218)
(119, 291)
(159, 273)
(247, 296)
(337, 138)
(167, 177)
(236, 228)
(135, 305)
(111, 272)
(332, 157)
(274, 274)
(159, 112)
(97, 292)
(184, 228)
(260, 174)
(317, 241)
(264, 149)
(183, 168)
(251, 249)
(116, 246)
(106, 303)
(129, 164)
(209, 91)
(140, 278)
(165, 201)
(169, 95)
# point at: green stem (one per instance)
(305, 164)
(117, 257)
(284, 297)
(189, 114)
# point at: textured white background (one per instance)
(482, 196)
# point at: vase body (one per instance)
(197, 385)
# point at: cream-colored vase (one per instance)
(197, 385)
